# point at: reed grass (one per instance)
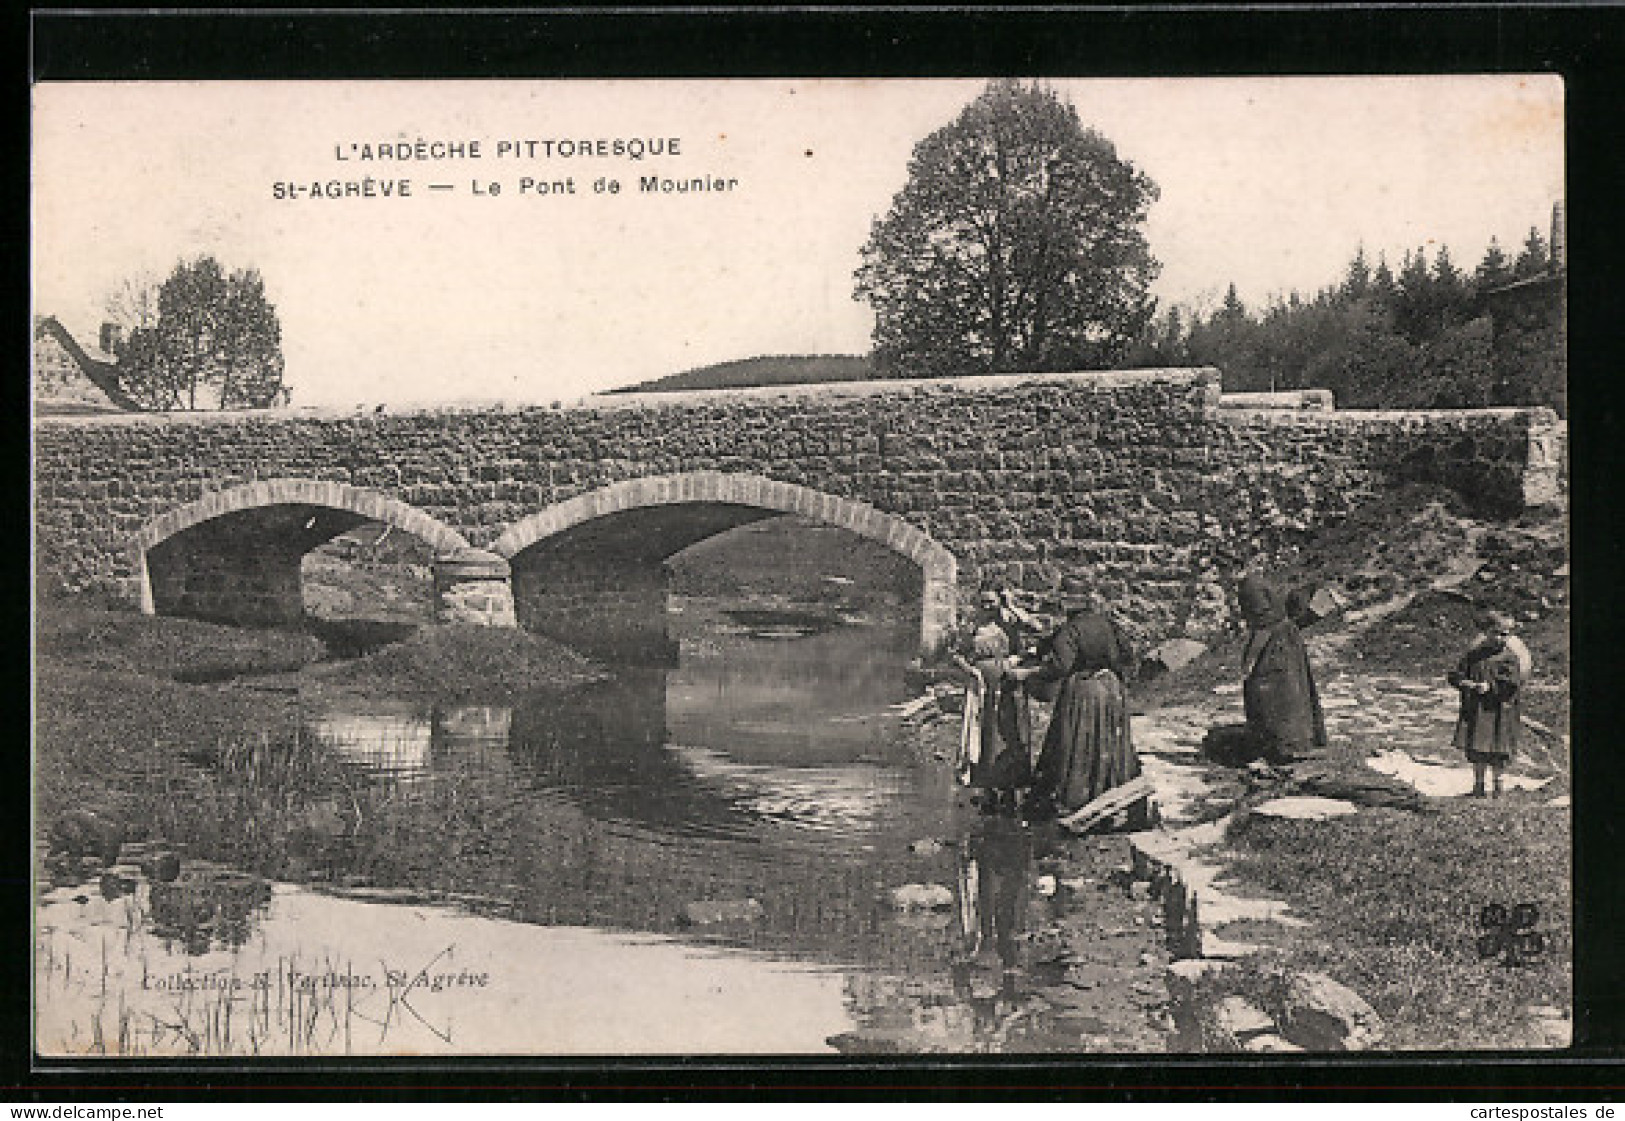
(283, 1017)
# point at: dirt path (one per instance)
(1377, 714)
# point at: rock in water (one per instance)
(715, 912)
(1325, 602)
(1232, 745)
(922, 897)
(165, 868)
(80, 833)
(1319, 1014)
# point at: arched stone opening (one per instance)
(234, 556)
(576, 564)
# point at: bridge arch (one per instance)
(266, 567)
(757, 497)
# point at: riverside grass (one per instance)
(127, 727)
(1395, 901)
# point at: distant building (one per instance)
(70, 379)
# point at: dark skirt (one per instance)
(1088, 749)
(1279, 696)
(1006, 736)
(1487, 730)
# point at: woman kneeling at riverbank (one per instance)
(1088, 748)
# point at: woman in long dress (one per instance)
(995, 744)
(1490, 677)
(1282, 705)
(1088, 748)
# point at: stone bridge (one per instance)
(1144, 487)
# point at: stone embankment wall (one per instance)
(1134, 485)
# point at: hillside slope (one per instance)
(798, 369)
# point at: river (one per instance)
(699, 858)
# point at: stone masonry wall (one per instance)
(1135, 485)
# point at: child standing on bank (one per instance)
(1490, 677)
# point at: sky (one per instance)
(469, 294)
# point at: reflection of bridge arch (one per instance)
(234, 554)
(667, 513)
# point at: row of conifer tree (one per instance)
(1430, 335)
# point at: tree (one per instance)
(216, 342)
(1452, 293)
(1494, 270)
(1414, 300)
(1164, 342)
(1534, 259)
(1361, 358)
(1357, 278)
(133, 304)
(1426, 339)
(1014, 246)
(1457, 369)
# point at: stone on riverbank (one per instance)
(922, 897)
(1305, 808)
(1232, 1022)
(1361, 787)
(1172, 655)
(81, 833)
(717, 912)
(1319, 1014)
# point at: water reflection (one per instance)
(207, 909)
(769, 733)
(327, 976)
(993, 891)
(847, 800)
(759, 769)
(802, 702)
(408, 739)
(603, 747)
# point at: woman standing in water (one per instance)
(995, 751)
(1088, 748)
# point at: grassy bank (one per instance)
(123, 642)
(1396, 900)
(226, 774)
(465, 663)
(190, 732)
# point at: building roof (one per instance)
(101, 370)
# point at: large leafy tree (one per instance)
(1016, 245)
(216, 343)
